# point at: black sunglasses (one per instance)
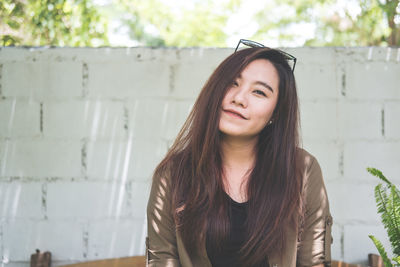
(250, 43)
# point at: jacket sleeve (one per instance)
(161, 249)
(314, 246)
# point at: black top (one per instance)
(229, 254)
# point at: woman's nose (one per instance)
(239, 97)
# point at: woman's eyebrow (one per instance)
(266, 85)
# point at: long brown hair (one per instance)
(195, 165)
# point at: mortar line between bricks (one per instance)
(171, 78)
(54, 179)
(129, 196)
(1, 80)
(383, 121)
(41, 118)
(343, 88)
(84, 158)
(85, 240)
(126, 119)
(341, 160)
(85, 79)
(342, 243)
(44, 200)
(2, 238)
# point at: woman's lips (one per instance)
(235, 114)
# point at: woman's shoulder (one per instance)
(162, 174)
(164, 171)
(309, 168)
(305, 158)
(160, 187)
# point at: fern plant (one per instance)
(388, 202)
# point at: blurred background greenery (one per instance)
(206, 23)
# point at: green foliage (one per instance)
(186, 23)
(51, 22)
(358, 23)
(200, 22)
(277, 19)
(370, 26)
(378, 174)
(381, 251)
(11, 13)
(388, 203)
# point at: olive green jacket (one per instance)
(164, 246)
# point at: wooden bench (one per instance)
(136, 261)
(344, 264)
(140, 261)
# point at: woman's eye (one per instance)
(259, 92)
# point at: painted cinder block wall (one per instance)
(81, 130)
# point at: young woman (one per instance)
(235, 189)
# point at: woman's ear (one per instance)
(273, 118)
(275, 115)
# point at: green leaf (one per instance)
(378, 174)
(381, 251)
(388, 203)
(388, 209)
(397, 259)
(52, 22)
(13, 24)
(394, 234)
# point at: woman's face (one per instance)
(249, 103)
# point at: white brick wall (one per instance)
(82, 129)
(359, 120)
(323, 127)
(177, 113)
(193, 70)
(373, 80)
(116, 238)
(42, 79)
(83, 118)
(318, 73)
(21, 200)
(391, 119)
(108, 160)
(349, 205)
(355, 251)
(382, 155)
(328, 155)
(19, 118)
(124, 78)
(85, 200)
(38, 157)
(63, 238)
(147, 118)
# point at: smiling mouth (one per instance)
(235, 114)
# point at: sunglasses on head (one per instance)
(291, 59)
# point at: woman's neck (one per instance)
(238, 157)
(238, 152)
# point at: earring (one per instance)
(270, 122)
